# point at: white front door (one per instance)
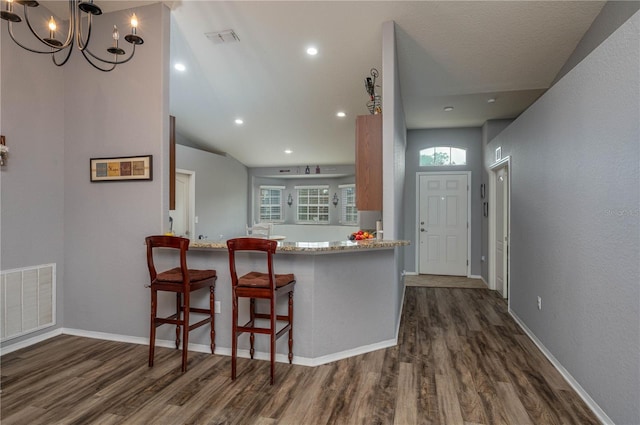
(443, 224)
(502, 235)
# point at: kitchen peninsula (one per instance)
(347, 296)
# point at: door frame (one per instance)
(504, 163)
(417, 228)
(192, 199)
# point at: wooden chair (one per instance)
(182, 281)
(257, 285)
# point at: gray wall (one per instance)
(612, 15)
(221, 192)
(55, 120)
(575, 210)
(394, 145)
(121, 113)
(32, 182)
(466, 138)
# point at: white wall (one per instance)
(575, 210)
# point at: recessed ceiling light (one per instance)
(448, 108)
(239, 121)
(491, 100)
(180, 67)
(288, 151)
(312, 51)
(341, 114)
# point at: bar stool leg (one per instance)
(252, 320)
(272, 335)
(212, 303)
(185, 331)
(290, 327)
(234, 335)
(178, 308)
(152, 333)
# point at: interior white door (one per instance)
(181, 215)
(502, 236)
(443, 224)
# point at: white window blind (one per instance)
(348, 210)
(313, 204)
(271, 204)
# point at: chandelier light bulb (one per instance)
(52, 24)
(116, 34)
(134, 23)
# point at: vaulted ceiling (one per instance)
(450, 53)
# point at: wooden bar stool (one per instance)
(182, 281)
(259, 285)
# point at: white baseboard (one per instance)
(204, 348)
(602, 416)
(406, 273)
(6, 349)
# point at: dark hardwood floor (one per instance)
(461, 359)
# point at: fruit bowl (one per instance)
(361, 235)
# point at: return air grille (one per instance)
(27, 300)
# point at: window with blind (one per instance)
(348, 210)
(271, 204)
(313, 204)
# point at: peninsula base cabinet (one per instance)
(369, 162)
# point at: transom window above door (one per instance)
(443, 155)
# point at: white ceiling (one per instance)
(450, 53)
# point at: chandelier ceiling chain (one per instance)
(75, 35)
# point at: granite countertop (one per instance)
(310, 247)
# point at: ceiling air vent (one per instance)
(223, 37)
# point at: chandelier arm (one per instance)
(81, 44)
(133, 52)
(10, 30)
(69, 50)
(84, 53)
(35, 34)
(72, 24)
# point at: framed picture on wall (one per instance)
(126, 168)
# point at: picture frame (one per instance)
(124, 168)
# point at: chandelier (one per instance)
(77, 34)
